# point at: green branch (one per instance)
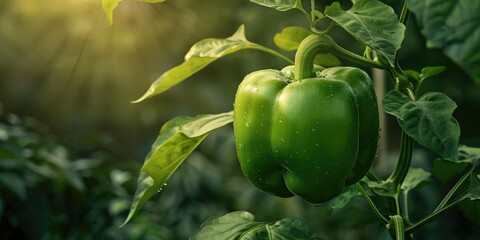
(370, 202)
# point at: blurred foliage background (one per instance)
(71, 143)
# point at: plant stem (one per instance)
(372, 176)
(275, 53)
(315, 44)
(432, 216)
(310, 17)
(397, 223)
(404, 160)
(370, 202)
(454, 188)
(397, 204)
(405, 15)
(312, 5)
(405, 207)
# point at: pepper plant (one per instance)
(313, 132)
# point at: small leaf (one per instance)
(177, 139)
(416, 177)
(108, 7)
(474, 189)
(344, 198)
(200, 55)
(318, 14)
(469, 154)
(429, 72)
(291, 228)
(241, 225)
(412, 74)
(280, 5)
(428, 120)
(290, 37)
(373, 23)
(384, 188)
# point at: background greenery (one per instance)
(71, 144)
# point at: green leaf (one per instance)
(474, 189)
(200, 55)
(428, 120)
(319, 15)
(290, 37)
(445, 169)
(280, 5)
(471, 209)
(373, 23)
(429, 72)
(177, 139)
(416, 177)
(241, 225)
(344, 198)
(383, 188)
(469, 154)
(452, 25)
(412, 74)
(109, 5)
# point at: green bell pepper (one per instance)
(309, 137)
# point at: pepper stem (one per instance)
(316, 44)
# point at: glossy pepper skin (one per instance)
(310, 137)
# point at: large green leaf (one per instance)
(241, 225)
(428, 120)
(452, 25)
(280, 5)
(200, 55)
(109, 5)
(373, 23)
(177, 139)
